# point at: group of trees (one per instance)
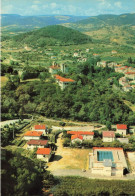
(23, 176)
(91, 98)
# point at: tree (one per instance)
(108, 125)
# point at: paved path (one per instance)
(87, 174)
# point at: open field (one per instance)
(66, 158)
(4, 79)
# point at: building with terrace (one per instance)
(107, 161)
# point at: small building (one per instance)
(37, 144)
(107, 161)
(130, 75)
(123, 140)
(87, 135)
(121, 129)
(36, 135)
(54, 69)
(63, 82)
(114, 52)
(76, 138)
(108, 136)
(44, 154)
(42, 128)
(101, 64)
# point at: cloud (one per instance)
(118, 4)
(53, 5)
(37, 2)
(35, 7)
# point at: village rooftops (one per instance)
(44, 151)
(80, 133)
(33, 133)
(41, 127)
(37, 142)
(121, 126)
(108, 134)
(76, 136)
(61, 79)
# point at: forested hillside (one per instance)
(52, 35)
(90, 99)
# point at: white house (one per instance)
(36, 143)
(36, 135)
(121, 129)
(108, 136)
(87, 135)
(63, 82)
(76, 138)
(44, 154)
(42, 128)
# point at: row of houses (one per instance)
(108, 136)
(35, 139)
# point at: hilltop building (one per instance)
(107, 161)
(63, 82)
(54, 69)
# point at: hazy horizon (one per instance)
(69, 7)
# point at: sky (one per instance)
(67, 7)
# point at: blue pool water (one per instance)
(101, 155)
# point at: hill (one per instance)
(52, 35)
(119, 29)
(96, 22)
(14, 23)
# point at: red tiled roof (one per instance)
(33, 133)
(77, 136)
(108, 134)
(42, 127)
(130, 73)
(45, 151)
(63, 79)
(121, 126)
(37, 142)
(106, 148)
(80, 133)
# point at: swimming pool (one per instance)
(101, 155)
